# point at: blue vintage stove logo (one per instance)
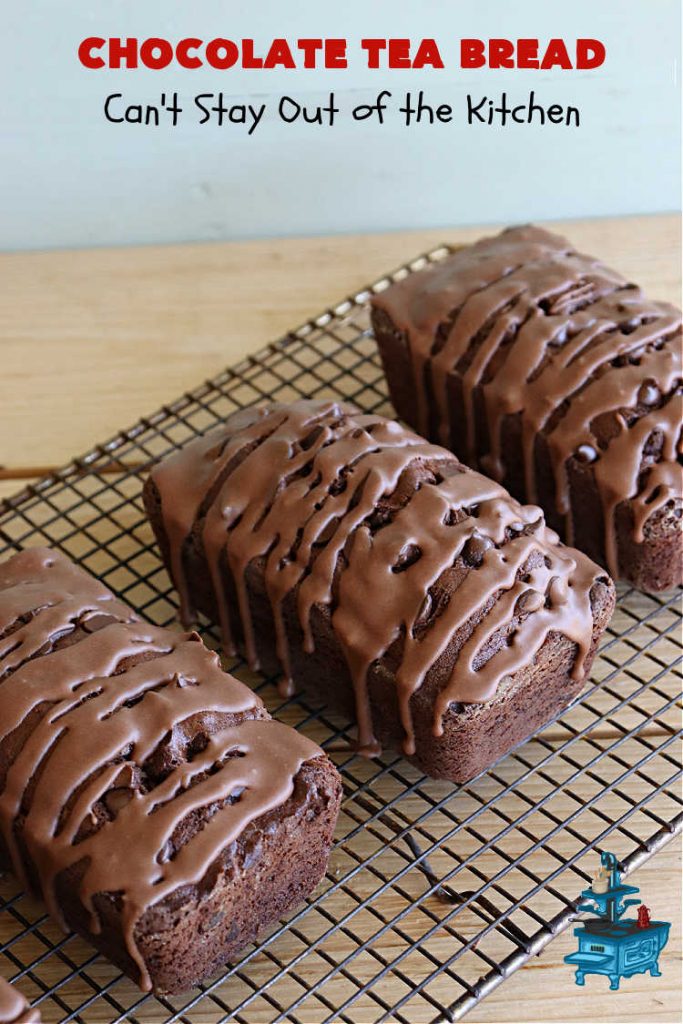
(608, 945)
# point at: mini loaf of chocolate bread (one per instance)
(14, 1009)
(377, 571)
(556, 377)
(145, 795)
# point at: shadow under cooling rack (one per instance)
(435, 894)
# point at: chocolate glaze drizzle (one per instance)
(95, 696)
(356, 513)
(14, 1009)
(529, 326)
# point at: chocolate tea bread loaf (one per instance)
(375, 570)
(556, 377)
(146, 795)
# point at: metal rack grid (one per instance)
(435, 894)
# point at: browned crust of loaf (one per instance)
(273, 864)
(654, 565)
(474, 735)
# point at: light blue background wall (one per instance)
(69, 178)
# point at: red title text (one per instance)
(155, 53)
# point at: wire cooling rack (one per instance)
(435, 893)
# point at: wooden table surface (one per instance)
(91, 340)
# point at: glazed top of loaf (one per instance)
(586, 358)
(401, 543)
(14, 1009)
(113, 735)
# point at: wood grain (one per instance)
(94, 339)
